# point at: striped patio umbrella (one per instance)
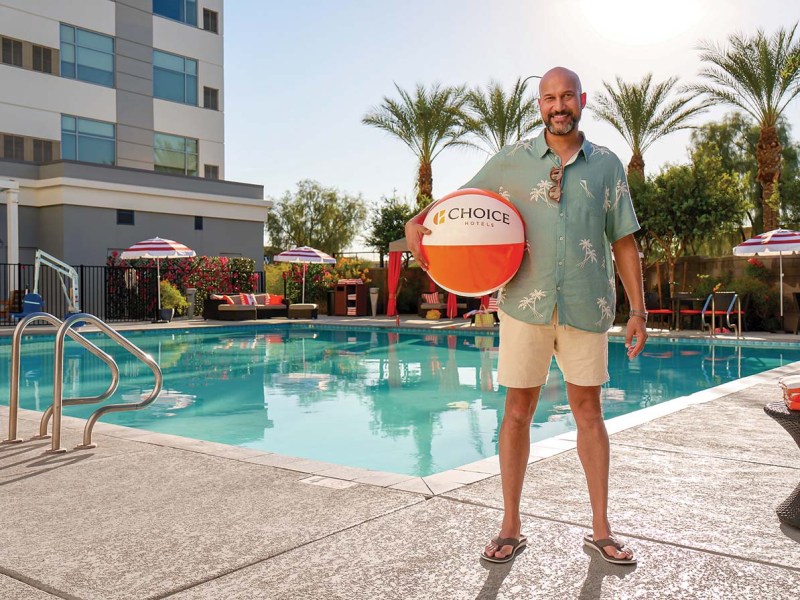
(157, 248)
(776, 242)
(305, 255)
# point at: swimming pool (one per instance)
(411, 402)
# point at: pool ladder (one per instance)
(65, 328)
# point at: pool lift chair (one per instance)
(33, 302)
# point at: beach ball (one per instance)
(476, 242)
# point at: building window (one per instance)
(14, 147)
(211, 171)
(87, 140)
(12, 52)
(42, 59)
(198, 223)
(42, 151)
(87, 56)
(210, 98)
(174, 78)
(175, 154)
(184, 11)
(125, 217)
(210, 21)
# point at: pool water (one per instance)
(407, 402)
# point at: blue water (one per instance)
(414, 403)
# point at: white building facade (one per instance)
(112, 129)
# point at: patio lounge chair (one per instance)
(437, 301)
(653, 307)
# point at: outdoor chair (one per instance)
(721, 305)
(652, 305)
(12, 305)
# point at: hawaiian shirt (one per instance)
(568, 260)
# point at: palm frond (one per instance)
(642, 112)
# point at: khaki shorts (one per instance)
(526, 351)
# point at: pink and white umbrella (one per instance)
(157, 248)
(771, 243)
(305, 255)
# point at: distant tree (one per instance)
(315, 216)
(428, 121)
(643, 113)
(684, 204)
(734, 139)
(497, 118)
(388, 224)
(761, 76)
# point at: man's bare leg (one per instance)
(593, 451)
(515, 441)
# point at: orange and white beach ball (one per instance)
(476, 242)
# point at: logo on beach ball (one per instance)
(476, 243)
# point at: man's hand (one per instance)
(414, 232)
(635, 329)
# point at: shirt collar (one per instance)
(541, 147)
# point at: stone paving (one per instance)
(148, 516)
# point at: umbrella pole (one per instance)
(158, 288)
(780, 291)
(305, 266)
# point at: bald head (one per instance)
(561, 77)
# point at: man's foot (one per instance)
(501, 550)
(610, 549)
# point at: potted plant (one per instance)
(172, 301)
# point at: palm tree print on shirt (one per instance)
(590, 254)
(585, 187)
(620, 190)
(605, 311)
(607, 200)
(529, 302)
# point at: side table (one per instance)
(788, 510)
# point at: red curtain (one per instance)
(452, 309)
(395, 260)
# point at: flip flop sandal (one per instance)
(516, 546)
(599, 546)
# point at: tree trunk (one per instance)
(424, 184)
(658, 283)
(636, 166)
(768, 157)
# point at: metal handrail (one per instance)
(738, 302)
(58, 383)
(13, 399)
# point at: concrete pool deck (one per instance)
(694, 485)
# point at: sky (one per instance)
(301, 74)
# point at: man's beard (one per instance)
(561, 129)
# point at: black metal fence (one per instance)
(114, 294)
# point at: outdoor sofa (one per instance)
(438, 301)
(238, 307)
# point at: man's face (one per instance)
(560, 103)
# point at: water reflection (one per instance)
(391, 401)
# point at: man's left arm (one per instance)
(629, 266)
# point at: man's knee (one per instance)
(585, 403)
(520, 405)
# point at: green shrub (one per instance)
(172, 298)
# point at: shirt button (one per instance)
(558, 289)
(561, 238)
(561, 262)
(561, 214)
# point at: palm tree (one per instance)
(498, 118)
(427, 122)
(643, 114)
(761, 76)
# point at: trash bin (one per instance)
(190, 295)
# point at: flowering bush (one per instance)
(136, 287)
(756, 269)
(347, 268)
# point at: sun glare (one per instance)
(641, 22)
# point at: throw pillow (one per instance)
(276, 299)
(248, 299)
(262, 299)
(228, 300)
(432, 298)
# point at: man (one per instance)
(574, 198)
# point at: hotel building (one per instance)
(112, 131)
